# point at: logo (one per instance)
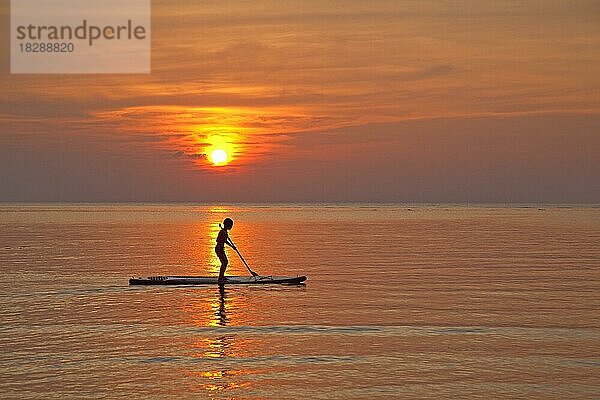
(80, 36)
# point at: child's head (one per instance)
(228, 223)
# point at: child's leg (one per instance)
(224, 263)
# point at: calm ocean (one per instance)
(401, 301)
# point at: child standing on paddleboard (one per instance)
(222, 240)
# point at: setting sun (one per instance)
(218, 157)
(220, 149)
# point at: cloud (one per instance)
(327, 85)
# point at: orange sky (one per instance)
(322, 101)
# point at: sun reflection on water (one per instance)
(219, 348)
(214, 312)
(218, 210)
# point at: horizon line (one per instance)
(308, 203)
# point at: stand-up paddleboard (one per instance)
(213, 280)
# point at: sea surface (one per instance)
(401, 301)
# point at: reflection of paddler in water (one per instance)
(218, 347)
(220, 344)
(222, 240)
(222, 313)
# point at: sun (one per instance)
(220, 150)
(218, 157)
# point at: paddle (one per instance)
(244, 261)
(239, 254)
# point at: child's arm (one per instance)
(230, 244)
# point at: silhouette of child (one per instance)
(222, 240)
